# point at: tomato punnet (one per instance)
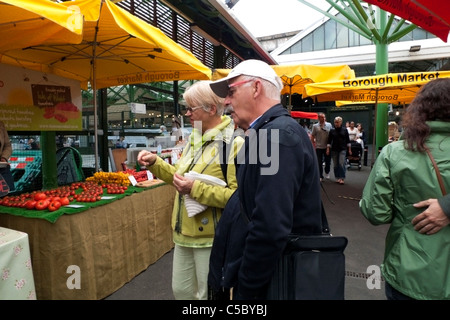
(40, 196)
(42, 204)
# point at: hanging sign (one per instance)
(34, 101)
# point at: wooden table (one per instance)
(91, 254)
(16, 272)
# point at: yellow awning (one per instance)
(32, 22)
(117, 48)
(396, 88)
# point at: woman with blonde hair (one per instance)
(193, 234)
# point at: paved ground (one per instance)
(365, 247)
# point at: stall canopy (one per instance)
(295, 77)
(431, 15)
(394, 88)
(33, 22)
(116, 49)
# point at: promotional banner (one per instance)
(34, 101)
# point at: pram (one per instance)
(355, 158)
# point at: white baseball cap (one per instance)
(251, 67)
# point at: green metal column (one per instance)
(381, 67)
(49, 168)
(382, 108)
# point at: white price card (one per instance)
(74, 206)
(132, 179)
(149, 175)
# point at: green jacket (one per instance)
(415, 264)
(202, 155)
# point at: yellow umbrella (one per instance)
(394, 88)
(26, 23)
(117, 49)
(295, 77)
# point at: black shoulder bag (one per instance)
(312, 267)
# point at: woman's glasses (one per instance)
(191, 110)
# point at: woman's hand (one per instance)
(432, 219)
(146, 158)
(183, 185)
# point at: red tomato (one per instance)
(64, 201)
(42, 204)
(40, 196)
(54, 205)
(30, 204)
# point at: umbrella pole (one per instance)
(94, 88)
(290, 97)
(95, 129)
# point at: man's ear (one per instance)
(256, 88)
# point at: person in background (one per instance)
(417, 255)
(319, 138)
(5, 144)
(176, 128)
(5, 154)
(32, 145)
(193, 236)
(352, 131)
(253, 89)
(121, 143)
(363, 137)
(338, 144)
(164, 131)
(69, 142)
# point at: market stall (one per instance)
(91, 251)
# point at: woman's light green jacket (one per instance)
(202, 155)
(415, 264)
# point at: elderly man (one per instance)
(278, 178)
(319, 138)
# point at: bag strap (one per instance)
(438, 173)
(325, 226)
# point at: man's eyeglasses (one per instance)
(239, 83)
(191, 110)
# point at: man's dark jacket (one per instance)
(279, 189)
